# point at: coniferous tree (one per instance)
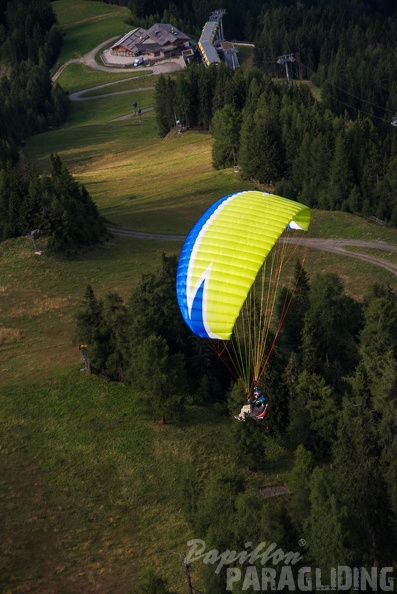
(292, 329)
(334, 321)
(162, 119)
(313, 415)
(153, 307)
(87, 316)
(226, 131)
(221, 96)
(311, 355)
(161, 377)
(378, 346)
(268, 143)
(216, 519)
(340, 178)
(207, 79)
(299, 481)
(325, 524)
(116, 337)
(72, 217)
(90, 327)
(248, 157)
(191, 94)
(370, 526)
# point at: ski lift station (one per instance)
(212, 45)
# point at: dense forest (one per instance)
(336, 150)
(29, 104)
(55, 203)
(29, 45)
(281, 136)
(294, 21)
(331, 383)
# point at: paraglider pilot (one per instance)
(257, 406)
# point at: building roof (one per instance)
(159, 37)
(206, 43)
(131, 39)
(209, 31)
(164, 34)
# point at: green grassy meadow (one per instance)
(86, 24)
(91, 486)
(77, 77)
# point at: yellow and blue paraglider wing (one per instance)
(223, 253)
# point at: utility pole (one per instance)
(285, 60)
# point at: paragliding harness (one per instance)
(258, 407)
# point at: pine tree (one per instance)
(334, 322)
(248, 157)
(326, 523)
(310, 346)
(370, 525)
(89, 329)
(378, 346)
(153, 307)
(292, 328)
(340, 181)
(299, 482)
(116, 338)
(206, 88)
(226, 131)
(163, 124)
(68, 214)
(313, 415)
(268, 141)
(161, 377)
(191, 94)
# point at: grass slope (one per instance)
(86, 24)
(76, 77)
(91, 489)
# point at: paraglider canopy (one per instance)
(218, 270)
(223, 253)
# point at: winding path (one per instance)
(336, 246)
(166, 66)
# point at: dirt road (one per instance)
(171, 65)
(336, 246)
